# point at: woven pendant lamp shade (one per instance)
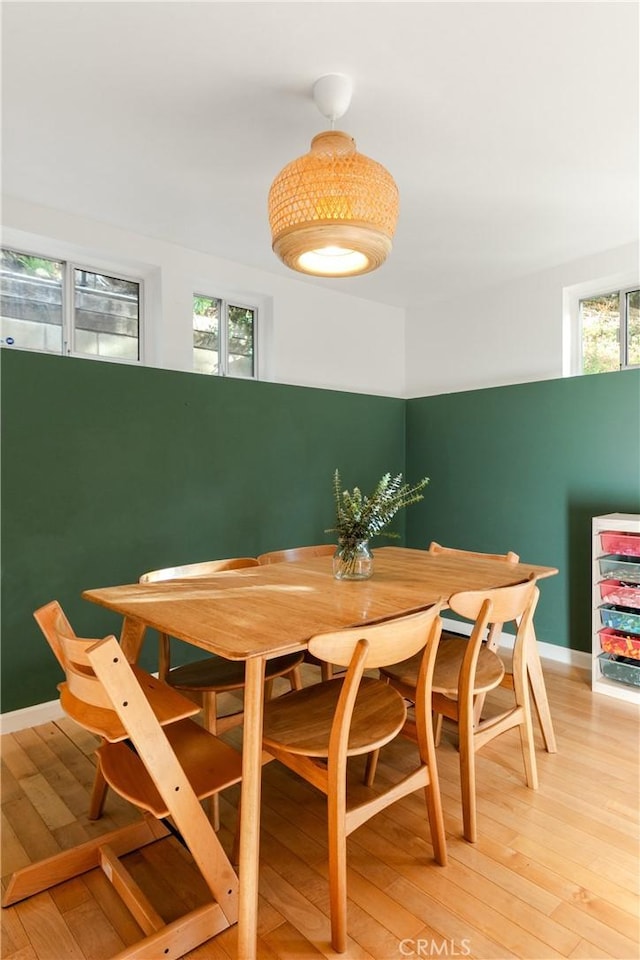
(333, 212)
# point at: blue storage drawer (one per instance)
(629, 621)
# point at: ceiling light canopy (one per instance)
(333, 212)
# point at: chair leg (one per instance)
(427, 750)
(336, 816)
(295, 678)
(268, 690)
(68, 864)
(164, 656)
(478, 705)
(521, 692)
(528, 753)
(437, 728)
(371, 767)
(98, 796)
(468, 781)
(235, 851)
(210, 710)
(432, 796)
(326, 671)
(539, 691)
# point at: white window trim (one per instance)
(263, 326)
(223, 333)
(82, 259)
(571, 329)
(69, 304)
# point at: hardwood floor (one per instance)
(555, 872)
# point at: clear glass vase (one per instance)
(353, 561)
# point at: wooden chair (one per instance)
(465, 669)
(154, 755)
(214, 675)
(315, 730)
(534, 668)
(493, 634)
(303, 553)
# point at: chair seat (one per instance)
(216, 673)
(167, 705)
(300, 721)
(489, 672)
(208, 763)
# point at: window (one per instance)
(224, 337)
(610, 331)
(59, 307)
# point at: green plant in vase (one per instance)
(359, 517)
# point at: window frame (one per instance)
(572, 350)
(69, 266)
(223, 333)
(624, 327)
(72, 266)
(623, 339)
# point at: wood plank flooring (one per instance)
(555, 872)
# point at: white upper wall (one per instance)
(310, 336)
(511, 334)
(319, 338)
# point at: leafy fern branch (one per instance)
(360, 516)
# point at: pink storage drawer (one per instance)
(612, 591)
(621, 644)
(624, 544)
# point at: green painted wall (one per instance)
(109, 470)
(525, 468)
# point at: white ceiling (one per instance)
(511, 128)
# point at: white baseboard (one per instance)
(30, 716)
(47, 712)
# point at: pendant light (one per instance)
(333, 211)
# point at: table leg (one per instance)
(539, 692)
(250, 808)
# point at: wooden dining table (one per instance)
(256, 613)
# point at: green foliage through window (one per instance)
(223, 337)
(610, 325)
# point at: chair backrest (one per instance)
(499, 605)
(388, 642)
(82, 695)
(360, 648)
(438, 550)
(53, 622)
(487, 608)
(298, 553)
(202, 569)
(509, 557)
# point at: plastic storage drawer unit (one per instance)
(622, 645)
(618, 619)
(625, 544)
(620, 669)
(619, 567)
(612, 591)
